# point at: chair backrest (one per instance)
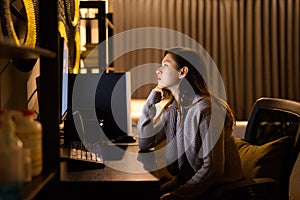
(273, 118)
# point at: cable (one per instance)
(29, 99)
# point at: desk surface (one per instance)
(123, 177)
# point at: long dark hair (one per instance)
(194, 78)
(190, 58)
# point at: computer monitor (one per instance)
(81, 122)
(100, 107)
(112, 104)
(64, 61)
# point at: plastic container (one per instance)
(27, 165)
(30, 132)
(11, 159)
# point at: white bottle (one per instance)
(27, 165)
(30, 132)
(11, 160)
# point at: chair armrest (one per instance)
(240, 129)
(258, 188)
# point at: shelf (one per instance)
(88, 18)
(32, 188)
(9, 50)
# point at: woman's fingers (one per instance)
(161, 91)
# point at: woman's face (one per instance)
(168, 75)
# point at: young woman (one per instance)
(199, 155)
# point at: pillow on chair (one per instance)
(265, 160)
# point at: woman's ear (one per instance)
(183, 72)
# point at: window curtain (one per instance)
(255, 44)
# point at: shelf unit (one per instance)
(49, 94)
(42, 186)
(9, 50)
(97, 19)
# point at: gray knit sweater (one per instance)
(195, 149)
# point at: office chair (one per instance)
(272, 143)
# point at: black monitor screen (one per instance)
(112, 104)
(102, 102)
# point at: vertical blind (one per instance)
(255, 44)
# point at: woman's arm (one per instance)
(150, 134)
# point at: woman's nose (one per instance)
(158, 71)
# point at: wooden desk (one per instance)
(122, 178)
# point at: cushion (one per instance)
(263, 161)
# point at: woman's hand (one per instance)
(164, 93)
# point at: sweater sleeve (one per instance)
(150, 134)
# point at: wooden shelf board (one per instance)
(32, 188)
(9, 50)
